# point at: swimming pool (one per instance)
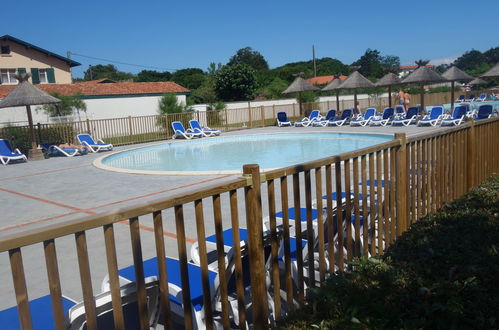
(222, 155)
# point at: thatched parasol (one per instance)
(388, 80)
(333, 86)
(423, 75)
(477, 81)
(25, 94)
(354, 81)
(300, 85)
(454, 74)
(494, 72)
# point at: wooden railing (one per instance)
(386, 188)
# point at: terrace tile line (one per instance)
(45, 172)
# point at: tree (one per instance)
(274, 89)
(492, 56)
(470, 60)
(213, 68)
(190, 78)
(169, 104)
(390, 63)
(109, 71)
(420, 63)
(249, 57)
(67, 106)
(150, 75)
(235, 83)
(370, 64)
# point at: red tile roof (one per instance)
(106, 87)
(322, 80)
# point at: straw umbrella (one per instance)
(389, 80)
(300, 85)
(333, 85)
(25, 94)
(354, 81)
(423, 75)
(453, 74)
(494, 72)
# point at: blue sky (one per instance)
(170, 35)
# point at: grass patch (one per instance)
(441, 274)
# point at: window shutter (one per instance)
(35, 76)
(50, 75)
(21, 70)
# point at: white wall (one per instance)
(96, 109)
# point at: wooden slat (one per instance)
(112, 270)
(276, 284)
(310, 230)
(320, 224)
(386, 197)
(234, 217)
(17, 269)
(365, 211)
(162, 271)
(54, 284)
(299, 252)
(372, 206)
(86, 280)
(286, 243)
(357, 249)
(217, 215)
(139, 273)
(412, 186)
(393, 194)
(379, 194)
(419, 174)
(348, 210)
(339, 216)
(184, 273)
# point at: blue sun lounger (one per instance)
(457, 116)
(282, 119)
(410, 117)
(307, 121)
(181, 132)
(385, 118)
(92, 145)
(330, 115)
(484, 112)
(53, 150)
(205, 131)
(433, 118)
(8, 154)
(345, 117)
(368, 116)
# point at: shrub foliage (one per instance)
(441, 274)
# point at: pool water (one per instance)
(227, 154)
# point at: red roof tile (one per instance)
(322, 80)
(98, 88)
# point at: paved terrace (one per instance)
(40, 193)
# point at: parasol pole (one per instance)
(452, 96)
(422, 111)
(338, 100)
(31, 128)
(390, 96)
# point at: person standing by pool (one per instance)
(400, 97)
(407, 100)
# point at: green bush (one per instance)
(442, 273)
(18, 137)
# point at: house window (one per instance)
(43, 75)
(7, 76)
(5, 50)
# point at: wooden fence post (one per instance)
(471, 157)
(273, 114)
(254, 223)
(401, 182)
(262, 115)
(249, 117)
(130, 126)
(88, 126)
(226, 120)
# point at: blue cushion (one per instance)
(303, 214)
(227, 236)
(42, 316)
(173, 271)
